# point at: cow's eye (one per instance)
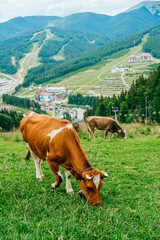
(89, 189)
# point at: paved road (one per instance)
(9, 87)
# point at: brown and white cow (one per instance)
(57, 142)
(104, 123)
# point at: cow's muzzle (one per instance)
(81, 195)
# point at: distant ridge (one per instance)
(152, 6)
(137, 18)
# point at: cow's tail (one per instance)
(28, 155)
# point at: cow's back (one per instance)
(100, 122)
(35, 130)
(39, 125)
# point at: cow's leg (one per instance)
(55, 169)
(68, 182)
(39, 173)
(37, 163)
(91, 131)
(106, 132)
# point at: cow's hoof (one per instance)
(53, 185)
(40, 179)
(81, 194)
(70, 191)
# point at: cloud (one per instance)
(13, 8)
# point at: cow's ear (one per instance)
(104, 174)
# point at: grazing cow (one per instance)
(57, 142)
(104, 123)
(76, 126)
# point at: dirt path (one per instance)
(31, 59)
(9, 87)
(59, 56)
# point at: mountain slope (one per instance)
(125, 24)
(86, 22)
(114, 27)
(21, 25)
(53, 45)
(152, 6)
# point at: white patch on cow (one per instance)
(68, 182)
(55, 132)
(31, 113)
(96, 180)
(37, 162)
(59, 174)
(69, 126)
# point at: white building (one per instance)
(144, 57)
(56, 90)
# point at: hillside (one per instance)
(52, 72)
(113, 27)
(52, 58)
(128, 23)
(51, 54)
(22, 25)
(67, 44)
(153, 42)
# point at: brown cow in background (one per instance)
(76, 126)
(104, 123)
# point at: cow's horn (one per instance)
(105, 175)
(88, 177)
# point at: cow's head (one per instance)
(122, 133)
(91, 184)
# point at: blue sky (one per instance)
(13, 8)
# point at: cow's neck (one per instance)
(79, 163)
(75, 155)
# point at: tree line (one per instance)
(20, 102)
(79, 99)
(10, 119)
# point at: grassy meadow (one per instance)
(131, 195)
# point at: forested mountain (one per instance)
(153, 42)
(22, 25)
(128, 23)
(114, 27)
(76, 50)
(62, 52)
(50, 71)
(72, 44)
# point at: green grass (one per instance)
(131, 195)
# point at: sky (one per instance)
(14, 8)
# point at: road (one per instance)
(10, 86)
